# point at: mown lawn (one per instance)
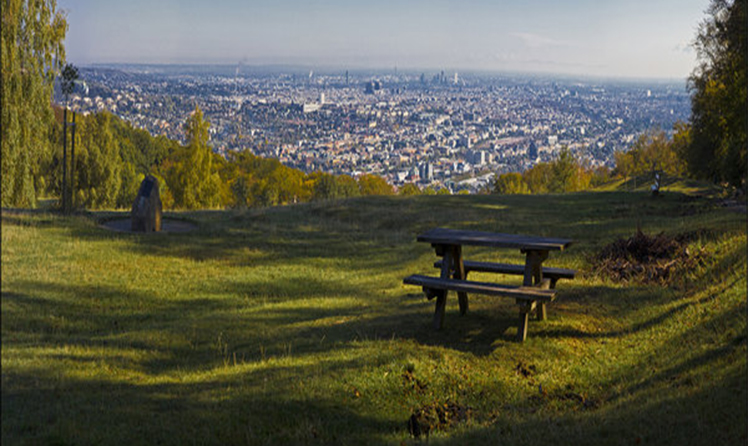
(291, 326)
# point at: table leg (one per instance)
(441, 295)
(441, 303)
(533, 267)
(459, 273)
(533, 277)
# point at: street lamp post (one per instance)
(67, 85)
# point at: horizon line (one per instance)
(393, 69)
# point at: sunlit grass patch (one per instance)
(291, 325)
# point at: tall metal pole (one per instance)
(64, 161)
(72, 164)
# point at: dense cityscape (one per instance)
(438, 129)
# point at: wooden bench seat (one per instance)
(528, 298)
(492, 289)
(504, 268)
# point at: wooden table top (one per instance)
(443, 236)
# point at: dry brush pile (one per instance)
(659, 259)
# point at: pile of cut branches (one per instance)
(647, 259)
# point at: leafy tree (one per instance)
(347, 186)
(129, 184)
(241, 190)
(98, 164)
(193, 179)
(326, 187)
(32, 54)
(409, 189)
(653, 151)
(370, 184)
(719, 101)
(511, 183)
(539, 178)
(567, 174)
(599, 176)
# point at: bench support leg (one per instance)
(460, 274)
(546, 284)
(525, 308)
(441, 304)
(522, 328)
(541, 311)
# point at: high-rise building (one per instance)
(426, 171)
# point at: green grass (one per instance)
(291, 326)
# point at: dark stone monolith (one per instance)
(146, 210)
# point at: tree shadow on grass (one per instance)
(65, 410)
(710, 414)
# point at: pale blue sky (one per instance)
(623, 38)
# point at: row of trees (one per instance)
(654, 151)
(564, 174)
(112, 157)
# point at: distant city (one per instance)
(438, 128)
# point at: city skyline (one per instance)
(636, 39)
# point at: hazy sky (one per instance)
(621, 38)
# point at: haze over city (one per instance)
(635, 39)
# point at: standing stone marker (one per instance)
(146, 210)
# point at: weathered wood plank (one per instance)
(492, 289)
(506, 268)
(461, 237)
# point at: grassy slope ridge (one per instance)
(291, 325)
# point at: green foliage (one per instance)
(256, 181)
(98, 165)
(139, 148)
(329, 187)
(32, 54)
(129, 184)
(653, 151)
(564, 174)
(409, 189)
(348, 186)
(511, 183)
(374, 185)
(538, 178)
(719, 101)
(599, 176)
(568, 175)
(67, 81)
(193, 177)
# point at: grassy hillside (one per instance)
(291, 326)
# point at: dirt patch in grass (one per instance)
(437, 416)
(648, 258)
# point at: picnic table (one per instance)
(539, 282)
